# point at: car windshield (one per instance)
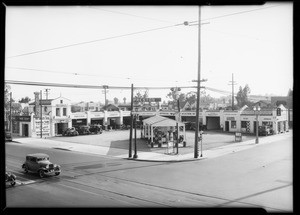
(43, 159)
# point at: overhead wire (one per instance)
(127, 14)
(93, 41)
(129, 34)
(86, 86)
(237, 13)
(93, 75)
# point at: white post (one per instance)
(151, 133)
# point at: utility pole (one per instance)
(131, 124)
(196, 153)
(10, 113)
(47, 92)
(41, 115)
(135, 125)
(105, 91)
(232, 83)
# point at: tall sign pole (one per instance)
(131, 124)
(196, 151)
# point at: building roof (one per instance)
(161, 121)
(43, 102)
(105, 107)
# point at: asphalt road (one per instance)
(257, 177)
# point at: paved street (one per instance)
(258, 176)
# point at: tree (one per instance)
(25, 100)
(75, 108)
(242, 96)
(116, 100)
(172, 95)
(7, 97)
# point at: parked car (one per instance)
(84, 129)
(10, 178)
(8, 136)
(40, 163)
(264, 130)
(70, 132)
(96, 129)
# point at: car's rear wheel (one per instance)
(13, 182)
(57, 173)
(41, 173)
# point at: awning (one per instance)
(153, 119)
(160, 121)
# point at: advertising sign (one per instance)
(230, 118)
(45, 126)
(21, 118)
(147, 99)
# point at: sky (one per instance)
(148, 46)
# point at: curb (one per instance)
(167, 161)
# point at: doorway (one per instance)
(25, 130)
(226, 125)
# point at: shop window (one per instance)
(233, 124)
(244, 124)
(57, 112)
(65, 112)
(267, 123)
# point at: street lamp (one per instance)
(256, 109)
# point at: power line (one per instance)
(93, 41)
(85, 86)
(102, 76)
(127, 14)
(139, 32)
(237, 13)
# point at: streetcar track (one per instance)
(227, 201)
(203, 195)
(117, 193)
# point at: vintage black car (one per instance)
(84, 129)
(264, 130)
(40, 163)
(8, 136)
(96, 129)
(70, 132)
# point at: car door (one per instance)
(34, 164)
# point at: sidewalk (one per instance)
(151, 156)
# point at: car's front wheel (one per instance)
(13, 182)
(57, 173)
(41, 173)
(26, 169)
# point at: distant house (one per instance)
(124, 107)
(263, 104)
(286, 101)
(110, 107)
